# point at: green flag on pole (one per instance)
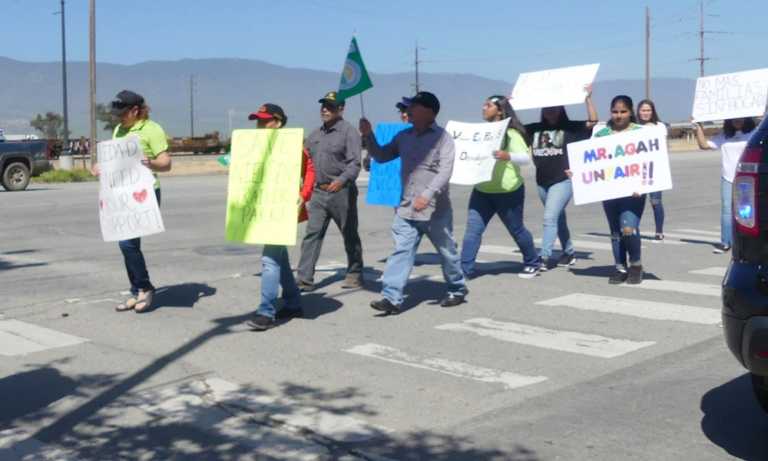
(354, 77)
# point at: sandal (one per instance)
(128, 305)
(144, 303)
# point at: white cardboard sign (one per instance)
(475, 144)
(553, 87)
(724, 96)
(128, 207)
(619, 165)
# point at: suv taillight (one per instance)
(745, 192)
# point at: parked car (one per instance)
(20, 160)
(745, 286)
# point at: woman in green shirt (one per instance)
(624, 213)
(503, 195)
(133, 113)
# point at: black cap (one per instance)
(331, 98)
(426, 99)
(124, 101)
(269, 111)
(402, 106)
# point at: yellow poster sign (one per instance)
(264, 179)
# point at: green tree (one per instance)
(104, 115)
(51, 125)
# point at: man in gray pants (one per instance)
(335, 151)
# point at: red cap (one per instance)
(268, 112)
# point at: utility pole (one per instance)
(65, 162)
(416, 66)
(191, 106)
(647, 53)
(92, 75)
(701, 39)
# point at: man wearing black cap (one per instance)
(335, 151)
(427, 153)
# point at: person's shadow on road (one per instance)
(182, 295)
(734, 421)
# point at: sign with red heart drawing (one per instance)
(128, 206)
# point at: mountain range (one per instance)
(227, 90)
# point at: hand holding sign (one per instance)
(476, 147)
(128, 207)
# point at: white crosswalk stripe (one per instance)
(637, 308)
(691, 288)
(448, 367)
(702, 232)
(715, 271)
(566, 341)
(691, 237)
(20, 338)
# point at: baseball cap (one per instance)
(331, 98)
(124, 101)
(426, 99)
(402, 106)
(269, 111)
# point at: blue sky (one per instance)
(492, 38)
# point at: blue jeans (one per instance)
(555, 198)
(407, 235)
(135, 265)
(509, 207)
(726, 205)
(658, 211)
(623, 216)
(276, 271)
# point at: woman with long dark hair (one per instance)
(647, 116)
(503, 194)
(133, 113)
(731, 142)
(624, 213)
(549, 145)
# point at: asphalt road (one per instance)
(560, 367)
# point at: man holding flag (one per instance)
(335, 150)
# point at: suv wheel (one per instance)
(16, 177)
(760, 387)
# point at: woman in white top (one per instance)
(647, 115)
(731, 142)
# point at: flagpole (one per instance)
(362, 106)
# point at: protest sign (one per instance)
(619, 165)
(553, 87)
(263, 192)
(475, 144)
(384, 184)
(724, 96)
(128, 206)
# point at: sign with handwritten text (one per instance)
(475, 144)
(128, 206)
(619, 165)
(385, 185)
(553, 87)
(263, 192)
(724, 96)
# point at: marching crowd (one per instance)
(332, 163)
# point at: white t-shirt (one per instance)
(658, 125)
(730, 149)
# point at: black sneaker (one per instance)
(384, 305)
(260, 322)
(659, 237)
(286, 314)
(635, 275)
(452, 300)
(529, 272)
(566, 260)
(304, 286)
(618, 277)
(720, 249)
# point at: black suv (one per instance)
(745, 286)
